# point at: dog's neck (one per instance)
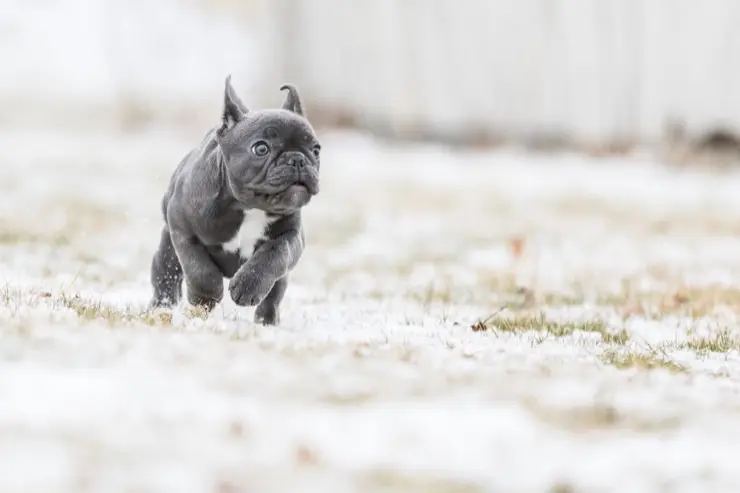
(226, 195)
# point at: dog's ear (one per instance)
(292, 99)
(234, 109)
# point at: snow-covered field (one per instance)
(388, 372)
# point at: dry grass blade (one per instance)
(540, 323)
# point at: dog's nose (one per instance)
(297, 161)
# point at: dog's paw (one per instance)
(159, 303)
(267, 315)
(249, 289)
(206, 300)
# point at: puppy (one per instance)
(233, 209)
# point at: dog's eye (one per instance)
(260, 149)
(317, 151)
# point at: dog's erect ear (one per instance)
(292, 100)
(234, 109)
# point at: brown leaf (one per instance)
(516, 245)
(482, 325)
(528, 299)
(680, 298)
(227, 487)
(236, 429)
(305, 455)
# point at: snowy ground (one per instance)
(376, 380)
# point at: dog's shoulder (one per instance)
(199, 161)
(195, 180)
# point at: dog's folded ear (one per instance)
(292, 99)
(234, 109)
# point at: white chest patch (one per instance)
(252, 229)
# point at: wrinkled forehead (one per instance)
(280, 124)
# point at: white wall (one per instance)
(594, 70)
(95, 62)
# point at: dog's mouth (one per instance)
(306, 184)
(290, 189)
(297, 192)
(262, 195)
(285, 200)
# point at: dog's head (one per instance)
(271, 156)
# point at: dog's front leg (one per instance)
(203, 278)
(268, 311)
(262, 280)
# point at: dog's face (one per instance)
(271, 156)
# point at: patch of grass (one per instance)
(540, 323)
(65, 221)
(698, 222)
(720, 342)
(9, 294)
(620, 337)
(15, 298)
(85, 309)
(392, 480)
(561, 488)
(15, 237)
(97, 310)
(599, 415)
(199, 312)
(631, 299)
(499, 286)
(641, 361)
(435, 294)
(687, 301)
(562, 299)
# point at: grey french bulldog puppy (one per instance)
(233, 209)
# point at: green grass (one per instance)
(642, 361)
(721, 342)
(390, 480)
(540, 323)
(97, 310)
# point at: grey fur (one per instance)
(217, 186)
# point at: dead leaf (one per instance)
(516, 245)
(680, 298)
(305, 455)
(482, 325)
(227, 487)
(236, 429)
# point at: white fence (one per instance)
(589, 70)
(585, 70)
(99, 62)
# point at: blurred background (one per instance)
(483, 161)
(601, 76)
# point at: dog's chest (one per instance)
(252, 229)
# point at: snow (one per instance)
(375, 380)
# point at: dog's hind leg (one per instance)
(166, 274)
